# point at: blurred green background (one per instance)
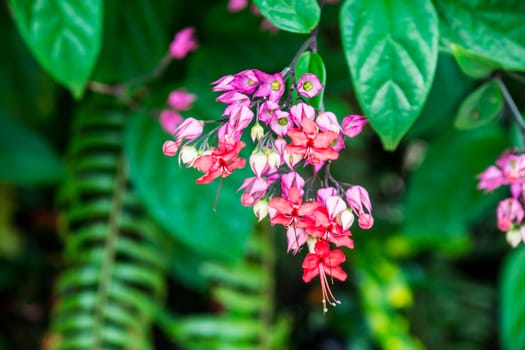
(106, 243)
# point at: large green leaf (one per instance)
(296, 16)
(25, 157)
(480, 107)
(442, 198)
(492, 29)
(512, 301)
(183, 208)
(64, 36)
(391, 50)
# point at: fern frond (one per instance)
(114, 278)
(245, 292)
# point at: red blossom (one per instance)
(220, 162)
(311, 144)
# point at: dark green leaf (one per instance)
(140, 28)
(491, 29)
(442, 198)
(391, 50)
(64, 36)
(25, 157)
(480, 107)
(449, 89)
(311, 62)
(183, 208)
(296, 16)
(512, 301)
(472, 64)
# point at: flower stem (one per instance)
(512, 105)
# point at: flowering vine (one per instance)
(290, 136)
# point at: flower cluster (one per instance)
(289, 135)
(508, 171)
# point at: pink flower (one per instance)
(300, 111)
(358, 199)
(491, 179)
(509, 212)
(237, 5)
(327, 121)
(169, 120)
(353, 125)
(323, 261)
(281, 123)
(189, 129)
(291, 180)
(267, 111)
(183, 43)
(296, 237)
(309, 85)
(181, 100)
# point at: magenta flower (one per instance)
(183, 43)
(309, 85)
(169, 120)
(510, 212)
(224, 83)
(245, 81)
(181, 100)
(271, 86)
(353, 125)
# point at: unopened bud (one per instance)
(260, 209)
(170, 148)
(188, 154)
(274, 159)
(257, 132)
(258, 162)
(346, 219)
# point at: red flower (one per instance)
(220, 162)
(311, 144)
(322, 262)
(292, 211)
(327, 228)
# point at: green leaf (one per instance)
(482, 106)
(512, 301)
(181, 207)
(391, 50)
(472, 64)
(25, 157)
(442, 198)
(491, 29)
(296, 16)
(64, 36)
(311, 62)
